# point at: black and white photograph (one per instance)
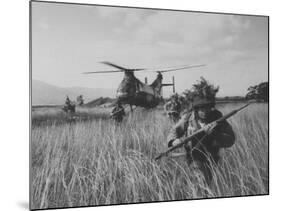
(141, 105)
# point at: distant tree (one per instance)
(263, 90)
(258, 92)
(80, 100)
(252, 92)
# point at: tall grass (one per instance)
(44, 116)
(98, 162)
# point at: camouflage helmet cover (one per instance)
(203, 93)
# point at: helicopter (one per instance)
(133, 92)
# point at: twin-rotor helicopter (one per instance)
(133, 92)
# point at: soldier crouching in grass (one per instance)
(203, 152)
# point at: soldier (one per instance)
(69, 106)
(67, 101)
(201, 155)
(118, 113)
(173, 108)
(177, 103)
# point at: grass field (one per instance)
(96, 162)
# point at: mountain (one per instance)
(106, 101)
(46, 94)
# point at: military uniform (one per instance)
(67, 101)
(173, 109)
(118, 113)
(69, 106)
(205, 152)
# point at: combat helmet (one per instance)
(203, 93)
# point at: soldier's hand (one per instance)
(174, 142)
(209, 127)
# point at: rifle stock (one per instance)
(186, 139)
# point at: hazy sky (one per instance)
(70, 39)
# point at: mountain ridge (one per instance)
(47, 94)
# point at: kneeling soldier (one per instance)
(203, 151)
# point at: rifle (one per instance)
(187, 139)
(116, 112)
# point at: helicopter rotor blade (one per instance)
(181, 68)
(114, 65)
(112, 71)
(122, 68)
(139, 69)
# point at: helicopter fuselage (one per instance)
(133, 92)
